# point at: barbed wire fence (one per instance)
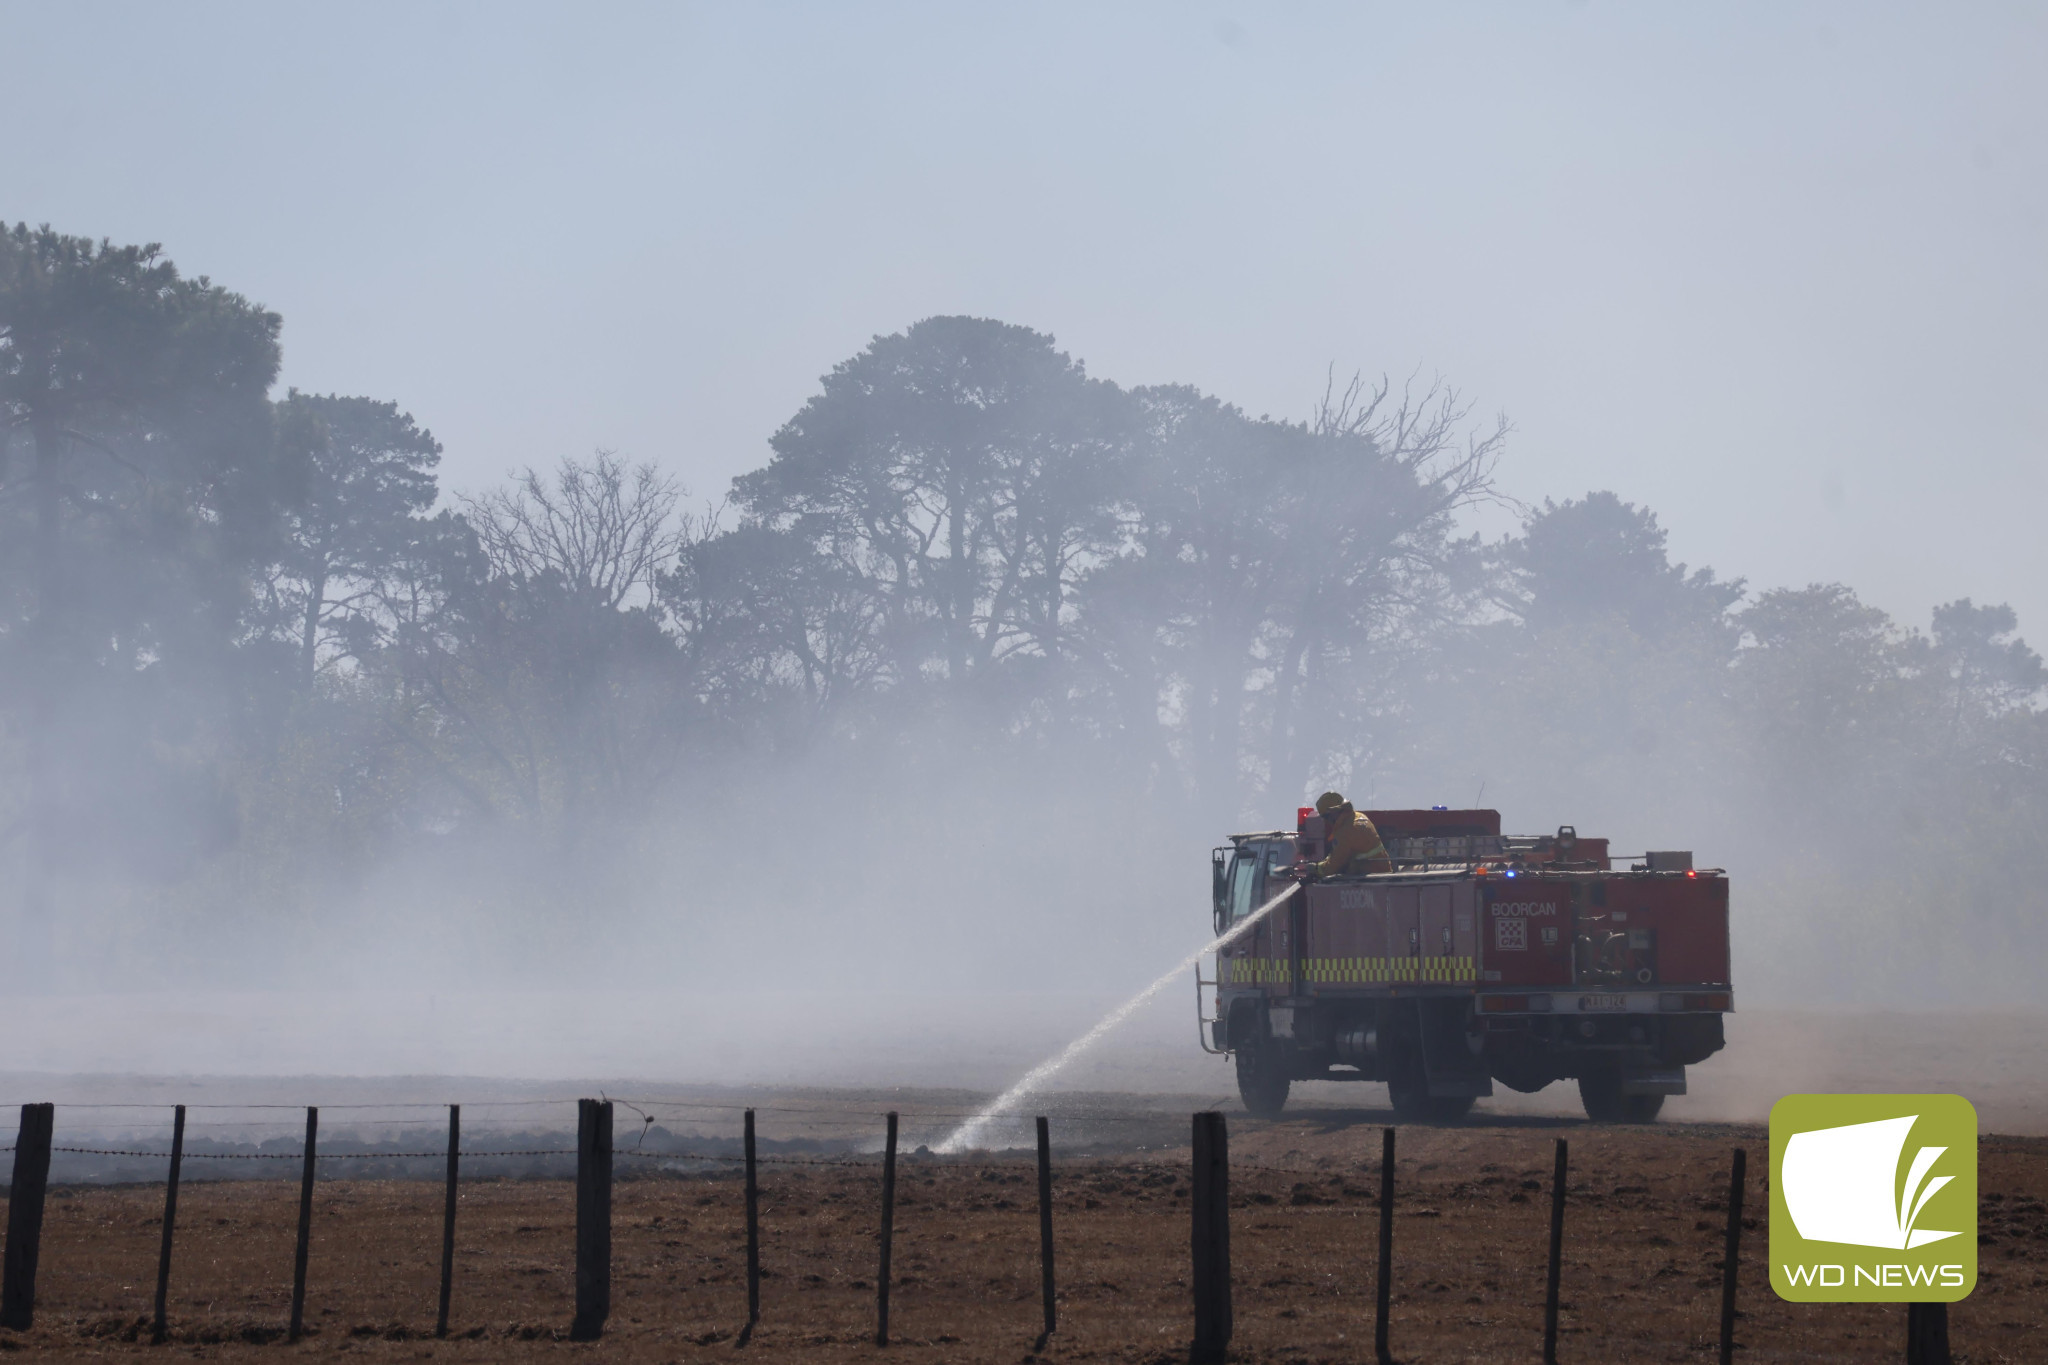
(655, 1148)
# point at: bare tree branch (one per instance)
(599, 526)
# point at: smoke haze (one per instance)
(804, 587)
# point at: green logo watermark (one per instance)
(1873, 1198)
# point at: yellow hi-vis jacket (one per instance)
(1355, 847)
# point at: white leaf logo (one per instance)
(1842, 1185)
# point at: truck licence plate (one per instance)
(1617, 1003)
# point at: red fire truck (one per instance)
(1479, 958)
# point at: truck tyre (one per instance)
(1262, 1080)
(1600, 1091)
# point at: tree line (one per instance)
(249, 643)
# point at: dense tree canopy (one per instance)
(362, 476)
(251, 652)
(142, 486)
(1596, 558)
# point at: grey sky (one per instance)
(1776, 270)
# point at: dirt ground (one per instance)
(1641, 1276)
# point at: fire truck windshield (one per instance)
(1248, 875)
(1243, 874)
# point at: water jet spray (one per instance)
(963, 1137)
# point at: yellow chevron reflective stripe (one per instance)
(1352, 971)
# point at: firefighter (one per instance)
(1354, 843)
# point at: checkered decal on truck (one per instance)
(1351, 971)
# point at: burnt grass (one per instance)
(1642, 1271)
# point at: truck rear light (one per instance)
(1675, 1004)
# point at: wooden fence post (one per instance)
(298, 1323)
(1210, 1242)
(1557, 1179)
(1045, 1230)
(160, 1325)
(1384, 1293)
(1732, 1255)
(1927, 1334)
(448, 1220)
(753, 1235)
(888, 1234)
(25, 1216)
(593, 1219)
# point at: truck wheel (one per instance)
(1450, 1108)
(1642, 1108)
(1262, 1080)
(1600, 1092)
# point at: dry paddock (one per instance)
(1641, 1277)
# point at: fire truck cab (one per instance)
(1479, 958)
